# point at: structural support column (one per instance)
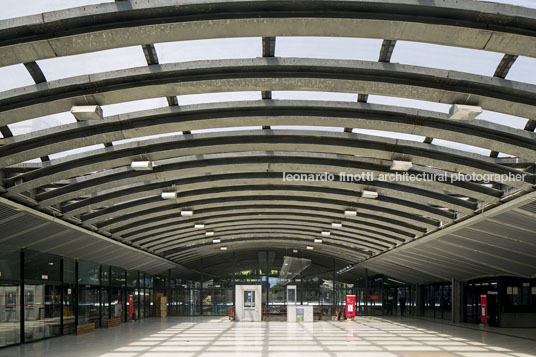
(62, 296)
(201, 295)
(22, 297)
(419, 300)
(456, 301)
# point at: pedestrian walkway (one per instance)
(218, 337)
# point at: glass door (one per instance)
(42, 311)
(9, 314)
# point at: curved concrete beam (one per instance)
(247, 163)
(488, 26)
(387, 230)
(170, 224)
(383, 149)
(411, 223)
(392, 226)
(197, 258)
(278, 231)
(201, 184)
(480, 133)
(280, 241)
(390, 206)
(260, 74)
(346, 232)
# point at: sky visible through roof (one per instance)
(419, 54)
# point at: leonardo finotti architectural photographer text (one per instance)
(401, 177)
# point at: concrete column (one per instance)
(457, 301)
(419, 300)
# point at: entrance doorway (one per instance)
(248, 302)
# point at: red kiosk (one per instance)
(484, 309)
(350, 306)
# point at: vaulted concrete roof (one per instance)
(230, 171)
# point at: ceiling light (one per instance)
(310, 248)
(216, 241)
(350, 213)
(326, 233)
(369, 194)
(199, 226)
(397, 165)
(294, 250)
(223, 248)
(464, 112)
(187, 213)
(87, 112)
(209, 233)
(336, 225)
(317, 240)
(169, 195)
(141, 165)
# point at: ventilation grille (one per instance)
(531, 207)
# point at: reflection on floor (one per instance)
(218, 337)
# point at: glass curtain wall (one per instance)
(148, 296)
(45, 295)
(141, 296)
(10, 299)
(88, 293)
(437, 301)
(104, 297)
(69, 298)
(117, 293)
(42, 295)
(132, 297)
(217, 297)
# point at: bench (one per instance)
(114, 322)
(317, 311)
(85, 328)
(282, 310)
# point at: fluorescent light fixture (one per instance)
(318, 240)
(187, 213)
(294, 250)
(169, 195)
(326, 233)
(350, 213)
(141, 165)
(199, 226)
(209, 233)
(87, 112)
(464, 112)
(223, 248)
(216, 241)
(369, 194)
(397, 165)
(336, 225)
(310, 248)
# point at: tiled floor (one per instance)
(218, 337)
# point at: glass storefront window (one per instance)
(69, 308)
(117, 277)
(42, 311)
(9, 263)
(88, 292)
(88, 273)
(88, 304)
(9, 312)
(41, 266)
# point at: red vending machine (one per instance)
(350, 306)
(484, 309)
